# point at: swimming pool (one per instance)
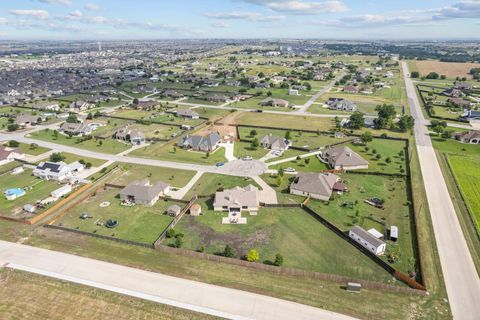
(12, 194)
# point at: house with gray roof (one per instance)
(341, 104)
(58, 171)
(368, 240)
(199, 143)
(76, 129)
(472, 137)
(274, 143)
(24, 120)
(343, 158)
(187, 114)
(235, 201)
(271, 102)
(316, 185)
(142, 192)
(127, 134)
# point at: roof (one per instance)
(274, 141)
(237, 196)
(365, 235)
(186, 113)
(174, 209)
(73, 127)
(344, 157)
(51, 166)
(143, 190)
(5, 152)
(473, 134)
(312, 182)
(199, 142)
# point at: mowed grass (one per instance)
(303, 242)
(285, 121)
(23, 297)
(242, 149)
(209, 183)
(386, 149)
(104, 146)
(28, 149)
(69, 158)
(138, 223)
(467, 176)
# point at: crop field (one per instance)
(303, 242)
(449, 69)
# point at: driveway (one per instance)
(267, 195)
(461, 277)
(308, 104)
(229, 149)
(182, 293)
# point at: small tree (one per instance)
(253, 132)
(207, 155)
(388, 160)
(366, 137)
(13, 143)
(56, 157)
(33, 146)
(253, 255)
(170, 233)
(307, 161)
(88, 165)
(278, 260)
(279, 180)
(12, 127)
(228, 252)
(255, 143)
(288, 135)
(378, 156)
(178, 242)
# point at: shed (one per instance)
(60, 192)
(174, 210)
(374, 232)
(29, 208)
(394, 233)
(354, 287)
(195, 209)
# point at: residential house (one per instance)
(58, 171)
(343, 158)
(274, 143)
(133, 136)
(147, 104)
(367, 240)
(49, 105)
(293, 92)
(187, 114)
(351, 89)
(274, 102)
(471, 115)
(9, 154)
(172, 94)
(453, 93)
(341, 104)
(472, 137)
(218, 99)
(24, 120)
(463, 86)
(142, 192)
(235, 201)
(458, 102)
(200, 143)
(76, 129)
(316, 185)
(80, 106)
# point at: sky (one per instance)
(243, 19)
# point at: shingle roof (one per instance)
(318, 183)
(142, 190)
(344, 157)
(367, 236)
(237, 196)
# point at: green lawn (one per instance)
(242, 149)
(209, 183)
(138, 223)
(69, 158)
(285, 121)
(303, 242)
(35, 151)
(104, 146)
(314, 165)
(385, 148)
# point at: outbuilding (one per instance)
(394, 233)
(367, 240)
(174, 210)
(195, 209)
(60, 192)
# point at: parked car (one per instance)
(219, 164)
(247, 158)
(289, 169)
(277, 153)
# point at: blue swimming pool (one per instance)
(14, 193)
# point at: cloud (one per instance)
(243, 15)
(219, 24)
(3, 21)
(74, 15)
(92, 7)
(302, 7)
(61, 2)
(38, 14)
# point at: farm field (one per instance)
(106, 146)
(450, 69)
(303, 242)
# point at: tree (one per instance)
(228, 252)
(447, 134)
(88, 165)
(253, 132)
(56, 157)
(170, 233)
(89, 116)
(253, 255)
(12, 127)
(207, 155)
(406, 123)
(13, 143)
(261, 75)
(378, 156)
(307, 161)
(288, 135)
(72, 118)
(388, 160)
(33, 146)
(414, 74)
(357, 120)
(269, 93)
(386, 114)
(278, 260)
(366, 137)
(279, 180)
(432, 75)
(438, 129)
(255, 143)
(178, 242)
(135, 101)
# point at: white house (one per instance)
(367, 240)
(58, 171)
(293, 92)
(9, 154)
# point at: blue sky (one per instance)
(158, 19)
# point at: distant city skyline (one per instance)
(242, 19)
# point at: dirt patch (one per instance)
(450, 69)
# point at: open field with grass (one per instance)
(254, 103)
(303, 242)
(28, 149)
(105, 146)
(69, 158)
(37, 189)
(242, 149)
(138, 223)
(314, 165)
(450, 69)
(285, 121)
(23, 297)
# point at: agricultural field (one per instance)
(449, 69)
(303, 242)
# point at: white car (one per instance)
(289, 169)
(247, 158)
(277, 153)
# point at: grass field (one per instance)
(450, 69)
(105, 146)
(242, 149)
(69, 158)
(299, 238)
(209, 183)
(34, 151)
(23, 297)
(285, 121)
(386, 149)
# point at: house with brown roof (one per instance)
(274, 143)
(142, 192)
(472, 137)
(343, 158)
(459, 102)
(9, 154)
(235, 201)
(133, 136)
(24, 120)
(316, 185)
(187, 114)
(271, 102)
(351, 89)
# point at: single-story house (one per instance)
(274, 143)
(146, 104)
(343, 158)
(341, 104)
(58, 171)
(218, 99)
(452, 92)
(200, 143)
(24, 120)
(237, 200)
(9, 154)
(187, 114)
(472, 137)
(133, 136)
(80, 105)
(463, 86)
(367, 240)
(351, 89)
(293, 92)
(471, 115)
(174, 210)
(274, 103)
(60, 192)
(172, 94)
(316, 185)
(142, 192)
(76, 129)
(458, 102)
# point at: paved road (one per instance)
(303, 109)
(461, 278)
(187, 294)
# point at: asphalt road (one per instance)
(303, 109)
(461, 278)
(182, 293)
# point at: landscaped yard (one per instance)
(303, 241)
(209, 183)
(138, 223)
(104, 146)
(242, 149)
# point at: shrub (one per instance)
(278, 260)
(13, 143)
(228, 252)
(253, 256)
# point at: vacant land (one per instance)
(31, 150)
(23, 297)
(450, 69)
(299, 238)
(285, 121)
